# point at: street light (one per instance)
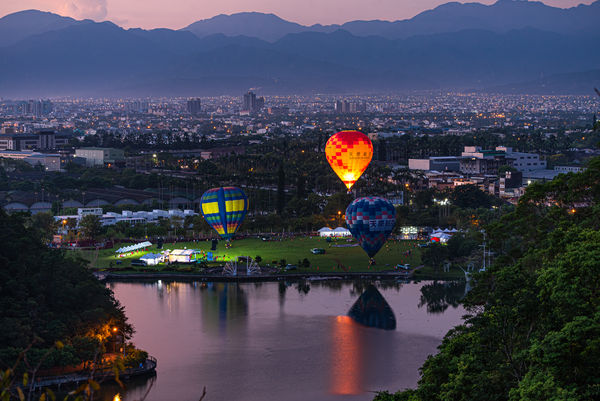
(116, 330)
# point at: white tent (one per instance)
(444, 237)
(152, 259)
(134, 247)
(182, 255)
(325, 232)
(341, 232)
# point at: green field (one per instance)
(292, 250)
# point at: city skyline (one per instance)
(180, 13)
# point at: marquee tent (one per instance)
(342, 232)
(152, 259)
(134, 247)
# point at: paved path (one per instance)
(148, 368)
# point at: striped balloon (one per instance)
(371, 220)
(224, 209)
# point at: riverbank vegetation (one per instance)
(55, 317)
(533, 329)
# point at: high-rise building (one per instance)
(37, 108)
(260, 103)
(194, 106)
(252, 104)
(344, 106)
(249, 101)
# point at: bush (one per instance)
(134, 356)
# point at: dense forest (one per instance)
(533, 328)
(47, 299)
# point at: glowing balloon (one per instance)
(371, 220)
(349, 154)
(224, 209)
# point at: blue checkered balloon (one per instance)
(371, 220)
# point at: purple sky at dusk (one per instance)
(179, 13)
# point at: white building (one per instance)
(100, 156)
(523, 161)
(141, 217)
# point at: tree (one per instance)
(45, 224)
(469, 196)
(52, 298)
(435, 255)
(90, 226)
(534, 324)
(301, 186)
(280, 189)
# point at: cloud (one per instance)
(84, 9)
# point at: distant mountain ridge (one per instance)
(49, 55)
(502, 16)
(18, 26)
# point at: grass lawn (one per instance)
(292, 250)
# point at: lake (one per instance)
(283, 341)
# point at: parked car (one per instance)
(425, 245)
(317, 251)
(291, 267)
(138, 262)
(400, 266)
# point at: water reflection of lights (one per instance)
(346, 355)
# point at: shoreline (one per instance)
(148, 369)
(382, 275)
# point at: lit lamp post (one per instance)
(115, 331)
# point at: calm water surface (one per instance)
(278, 341)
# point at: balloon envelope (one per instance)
(371, 220)
(224, 209)
(349, 154)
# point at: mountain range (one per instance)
(502, 16)
(514, 46)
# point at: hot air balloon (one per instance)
(224, 209)
(371, 220)
(349, 154)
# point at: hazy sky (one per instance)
(179, 13)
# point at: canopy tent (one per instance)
(152, 258)
(342, 232)
(325, 232)
(183, 255)
(134, 247)
(440, 236)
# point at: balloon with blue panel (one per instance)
(371, 221)
(224, 209)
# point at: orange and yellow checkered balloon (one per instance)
(349, 154)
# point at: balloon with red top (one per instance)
(349, 154)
